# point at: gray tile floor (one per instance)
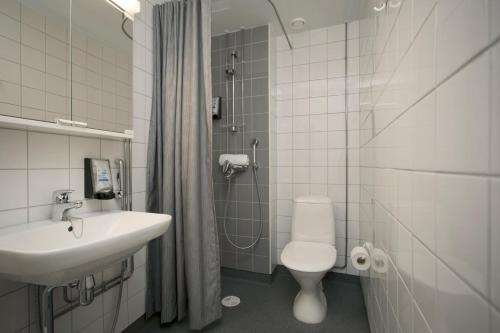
(267, 307)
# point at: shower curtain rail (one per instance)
(346, 124)
(281, 23)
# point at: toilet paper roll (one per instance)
(379, 261)
(360, 258)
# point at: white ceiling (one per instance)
(230, 15)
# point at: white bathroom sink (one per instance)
(47, 253)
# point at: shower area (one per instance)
(240, 81)
(285, 95)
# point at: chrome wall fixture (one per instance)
(124, 178)
(231, 75)
(346, 124)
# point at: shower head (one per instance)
(255, 142)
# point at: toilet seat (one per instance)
(309, 256)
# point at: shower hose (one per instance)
(228, 195)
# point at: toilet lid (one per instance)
(308, 256)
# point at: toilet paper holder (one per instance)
(367, 246)
(361, 260)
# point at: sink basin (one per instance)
(48, 253)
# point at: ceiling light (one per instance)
(380, 7)
(128, 7)
(297, 22)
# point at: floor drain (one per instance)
(230, 301)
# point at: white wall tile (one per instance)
(80, 148)
(300, 90)
(462, 120)
(318, 88)
(10, 49)
(33, 78)
(413, 75)
(13, 217)
(424, 281)
(300, 39)
(461, 311)
(32, 58)
(318, 36)
(112, 150)
(42, 183)
(336, 50)
(9, 27)
(336, 33)
(32, 18)
(11, 8)
(13, 152)
(423, 210)
(10, 93)
(461, 242)
(17, 183)
(32, 37)
(495, 241)
(300, 56)
(462, 31)
(495, 109)
(300, 107)
(85, 315)
(318, 70)
(300, 73)
(137, 306)
(284, 75)
(300, 123)
(14, 310)
(318, 53)
(47, 150)
(139, 179)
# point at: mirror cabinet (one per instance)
(68, 60)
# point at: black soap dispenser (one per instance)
(98, 179)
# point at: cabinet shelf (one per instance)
(47, 127)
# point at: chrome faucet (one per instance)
(63, 205)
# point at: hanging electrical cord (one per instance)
(119, 299)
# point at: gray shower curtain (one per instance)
(183, 265)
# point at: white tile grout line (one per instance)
(434, 88)
(438, 259)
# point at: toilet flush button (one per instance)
(230, 301)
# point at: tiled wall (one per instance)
(33, 164)
(35, 73)
(243, 210)
(310, 128)
(429, 156)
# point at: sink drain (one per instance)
(230, 301)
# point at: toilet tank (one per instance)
(313, 220)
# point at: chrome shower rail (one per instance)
(281, 23)
(346, 124)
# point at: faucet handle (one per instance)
(62, 196)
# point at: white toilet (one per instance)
(310, 254)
